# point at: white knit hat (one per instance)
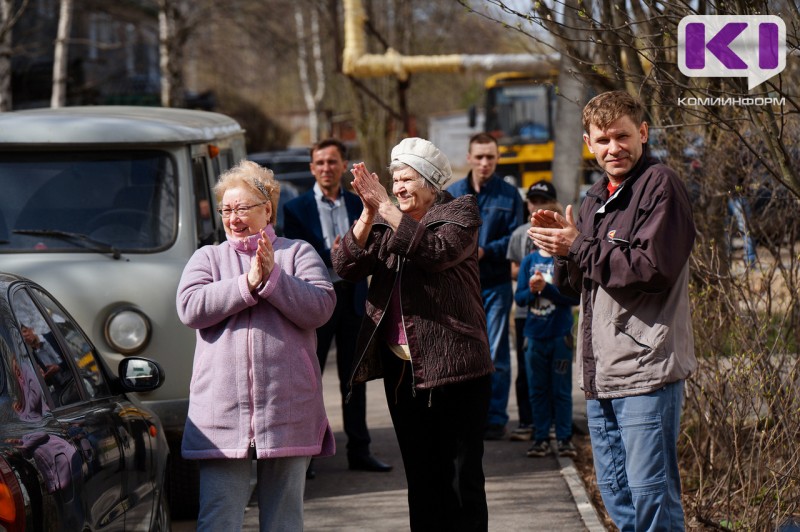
(425, 158)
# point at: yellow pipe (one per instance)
(357, 63)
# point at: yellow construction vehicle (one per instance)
(520, 114)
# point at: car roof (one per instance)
(6, 279)
(288, 155)
(290, 165)
(113, 125)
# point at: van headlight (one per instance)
(127, 330)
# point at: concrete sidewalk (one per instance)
(523, 493)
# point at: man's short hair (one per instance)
(327, 143)
(606, 108)
(482, 138)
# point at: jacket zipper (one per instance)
(250, 381)
(361, 356)
(399, 284)
(372, 337)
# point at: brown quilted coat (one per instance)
(437, 263)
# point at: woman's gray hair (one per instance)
(397, 166)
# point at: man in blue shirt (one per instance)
(501, 212)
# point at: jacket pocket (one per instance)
(309, 373)
(628, 358)
(200, 365)
(461, 327)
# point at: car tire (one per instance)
(162, 521)
(183, 486)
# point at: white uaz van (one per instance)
(103, 206)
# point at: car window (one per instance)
(45, 352)
(61, 353)
(287, 194)
(78, 347)
(22, 386)
(204, 214)
(65, 201)
(226, 159)
(6, 376)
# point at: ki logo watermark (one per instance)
(712, 46)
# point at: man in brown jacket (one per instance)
(627, 256)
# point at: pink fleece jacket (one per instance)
(256, 377)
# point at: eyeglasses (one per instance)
(238, 211)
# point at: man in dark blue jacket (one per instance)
(321, 217)
(501, 212)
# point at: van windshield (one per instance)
(87, 201)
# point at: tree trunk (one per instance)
(568, 152)
(5, 55)
(312, 98)
(60, 58)
(163, 52)
(171, 42)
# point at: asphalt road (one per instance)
(523, 493)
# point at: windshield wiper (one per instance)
(85, 240)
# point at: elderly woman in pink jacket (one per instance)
(256, 301)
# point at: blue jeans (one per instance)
(497, 304)
(634, 442)
(549, 368)
(225, 491)
(739, 209)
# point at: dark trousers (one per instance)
(343, 326)
(440, 433)
(521, 384)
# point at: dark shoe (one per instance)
(521, 433)
(495, 432)
(311, 473)
(566, 448)
(539, 449)
(368, 463)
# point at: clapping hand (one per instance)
(537, 282)
(262, 262)
(368, 187)
(553, 232)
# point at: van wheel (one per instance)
(184, 485)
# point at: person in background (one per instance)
(424, 330)
(739, 211)
(46, 357)
(321, 217)
(540, 193)
(628, 258)
(501, 211)
(548, 359)
(256, 389)
(28, 400)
